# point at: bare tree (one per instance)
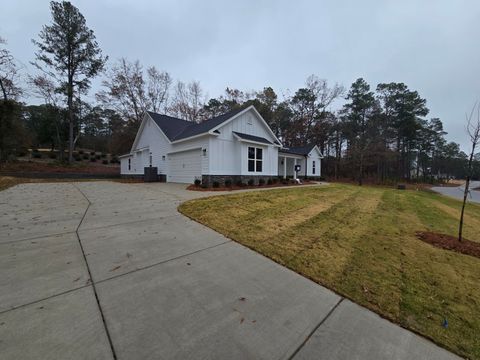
(473, 131)
(158, 89)
(8, 74)
(125, 90)
(44, 87)
(129, 94)
(188, 101)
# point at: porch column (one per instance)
(284, 167)
(294, 172)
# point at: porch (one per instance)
(287, 164)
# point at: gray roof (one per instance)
(177, 129)
(299, 150)
(252, 138)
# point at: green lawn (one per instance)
(360, 242)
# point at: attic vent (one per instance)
(249, 120)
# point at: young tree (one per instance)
(473, 131)
(69, 53)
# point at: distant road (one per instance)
(457, 192)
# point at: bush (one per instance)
(52, 155)
(251, 182)
(261, 182)
(228, 182)
(85, 157)
(204, 186)
(80, 152)
(37, 155)
(274, 180)
(97, 156)
(270, 182)
(112, 161)
(103, 155)
(239, 183)
(104, 161)
(92, 159)
(197, 182)
(78, 158)
(216, 184)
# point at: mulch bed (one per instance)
(194, 187)
(449, 242)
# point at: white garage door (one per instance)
(185, 166)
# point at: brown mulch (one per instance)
(449, 242)
(194, 187)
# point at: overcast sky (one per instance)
(432, 46)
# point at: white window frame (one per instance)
(255, 159)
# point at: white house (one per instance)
(238, 145)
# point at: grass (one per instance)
(360, 242)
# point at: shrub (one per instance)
(197, 182)
(86, 157)
(270, 182)
(97, 156)
(114, 160)
(103, 155)
(216, 184)
(52, 155)
(80, 152)
(92, 159)
(92, 153)
(78, 158)
(204, 186)
(261, 182)
(251, 182)
(104, 161)
(239, 183)
(37, 155)
(228, 182)
(274, 180)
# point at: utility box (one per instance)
(150, 174)
(401, 187)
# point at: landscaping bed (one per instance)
(449, 242)
(198, 187)
(362, 243)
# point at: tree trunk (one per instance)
(465, 193)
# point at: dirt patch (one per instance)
(449, 242)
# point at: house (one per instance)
(238, 145)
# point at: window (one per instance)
(255, 159)
(129, 164)
(313, 167)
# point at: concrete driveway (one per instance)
(457, 192)
(102, 270)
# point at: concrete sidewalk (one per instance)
(103, 270)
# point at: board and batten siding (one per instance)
(229, 156)
(314, 156)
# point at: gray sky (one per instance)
(428, 44)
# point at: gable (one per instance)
(148, 133)
(315, 152)
(248, 122)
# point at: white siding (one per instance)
(158, 144)
(229, 156)
(314, 156)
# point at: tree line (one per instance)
(379, 134)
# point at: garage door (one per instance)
(185, 166)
